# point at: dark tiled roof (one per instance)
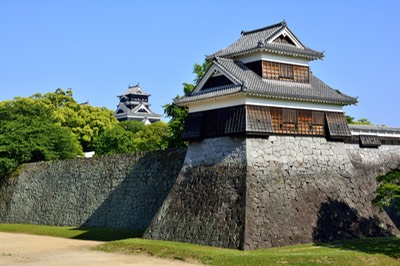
(370, 141)
(250, 83)
(134, 90)
(222, 91)
(258, 40)
(128, 113)
(374, 129)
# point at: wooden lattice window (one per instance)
(192, 129)
(318, 118)
(370, 141)
(289, 116)
(337, 125)
(286, 71)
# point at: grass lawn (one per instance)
(99, 234)
(372, 251)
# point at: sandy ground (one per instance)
(22, 249)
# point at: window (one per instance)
(286, 71)
(289, 116)
(318, 118)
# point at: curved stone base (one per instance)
(251, 193)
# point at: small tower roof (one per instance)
(268, 39)
(134, 90)
(237, 78)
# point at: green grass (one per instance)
(371, 251)
(98, 234)
(375, 251)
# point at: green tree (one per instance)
(85, 121)
(153, 137)
(132, 136)
(361, 121)
(388, 191)
(177, 113)
(114, 141)
(350, 119)
(29, 133)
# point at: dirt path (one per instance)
(22, 249)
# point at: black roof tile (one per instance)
(250, 83)
(258, 40)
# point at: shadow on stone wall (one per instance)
(338, 221)
(206, 207)
(137, 198)
(394, 213)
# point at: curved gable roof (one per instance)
(250, 83)
(262, 40)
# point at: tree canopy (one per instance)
(132, 136)
(85, 121)
(29, 133)
(48, 127)
(361, 121)
(388, 191)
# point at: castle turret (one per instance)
(271, 159)
(262, 85)
(134, 105)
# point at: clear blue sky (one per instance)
(99, 47)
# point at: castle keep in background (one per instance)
(271, 161)
(134, 105)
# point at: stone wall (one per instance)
(206, 205)
(243, 193)
(123, 191)
(251, 193)
(306, 189)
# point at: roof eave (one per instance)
(279, 97)
(318, 55)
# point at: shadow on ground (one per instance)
(389, 246)
(107, 234)
(338, 221)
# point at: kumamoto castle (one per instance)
(271, 161)
(134, 105)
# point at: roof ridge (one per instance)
(282, 24)
(374, 127)
(214, 89)
(228, 72)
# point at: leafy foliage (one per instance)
(388, 191)
(177, 113)
(361, 121)
(85, 121)
(132, 136)
(29, 133)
